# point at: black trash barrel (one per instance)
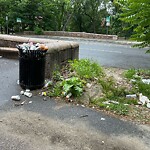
(31, 69)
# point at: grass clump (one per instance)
(129, 74)
(138, 85)
(86, 69)
(119, 109)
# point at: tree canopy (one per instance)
(60, 15)
(137, 14)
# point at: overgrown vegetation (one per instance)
(71, 81)
(136, 77)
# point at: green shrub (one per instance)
(86, 69)
(73, 85)
(38, 31)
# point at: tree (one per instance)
(137, 14)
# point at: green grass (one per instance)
(144, 89)
(119, 109)
(86, 69)
(138, 85)
(129, 74)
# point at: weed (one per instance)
(124, 100)
(129, 74)
(107, 84)
(73, 85)
(144, 89)
(57, 76)
(86, 69)
(110, 90)
(55, 91)
(119, 109)
(144, 73)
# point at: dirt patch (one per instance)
(27, 130)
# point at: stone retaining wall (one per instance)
(59, 51)
(76, 34)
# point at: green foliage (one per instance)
(55, 91)
(138, 85)
(119, 109)
(129, 74)
(110, 89)
(144, 89)
(57, 76)
(55, 15)
(72, 85)
(86, 69)
(38, 31)
(136, 13)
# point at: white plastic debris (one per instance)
(103, 119)
(114, 102)
(48, 83)
(30, 102)
(106, 103)
(82, 106)
(22, 92)
(1, 56)
(28, 94)
(126, 104)
(133, 80)
(23, 103)
(88, 85)
(131, 96)
(18, 82)
(16, 98)
(146, 81)
(110, 101)
(69, 95)
(143, 99)
(27, 90)
(148, 105)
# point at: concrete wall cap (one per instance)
(53, 44)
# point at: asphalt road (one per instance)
(108, 53)
(115, 55)
(52, 124)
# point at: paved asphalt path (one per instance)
(109, 53)
(52, 124)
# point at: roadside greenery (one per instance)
(70, 83)
(136, 77)
(61, 15)
(136, 14)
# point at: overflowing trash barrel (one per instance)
(32, 65)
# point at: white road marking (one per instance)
(103, 50)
